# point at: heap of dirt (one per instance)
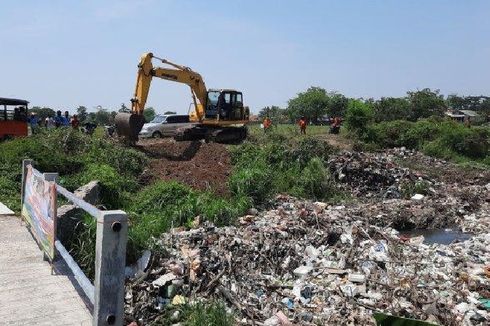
(203, 166)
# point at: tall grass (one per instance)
(275, 163)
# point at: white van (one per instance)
(164, 125)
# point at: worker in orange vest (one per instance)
(302, 125)
(267, 124)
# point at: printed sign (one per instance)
(39, 209)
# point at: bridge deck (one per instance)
(29, 293)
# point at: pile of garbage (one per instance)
(372, 174)
(309, 263)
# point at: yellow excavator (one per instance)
(218, 114)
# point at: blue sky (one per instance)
(64, 54)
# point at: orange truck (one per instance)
(13, 118)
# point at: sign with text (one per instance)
(39, 209)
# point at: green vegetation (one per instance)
(435, 137)
(314, 103)
(358, 116)
(274, 163)
(198, 314)
(409, 189)
(77, 158)
(163, 205)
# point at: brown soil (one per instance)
(338, 141)
(199, 165)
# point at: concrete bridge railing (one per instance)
(107, 292)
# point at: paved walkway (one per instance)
(29, 294)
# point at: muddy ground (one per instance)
(199, 165)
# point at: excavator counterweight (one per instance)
(218, 115)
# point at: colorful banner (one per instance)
(39, 209)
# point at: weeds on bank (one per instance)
(165, 205)
(198, 314)
(274, 163)
(435, 137)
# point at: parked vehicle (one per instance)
(165, 126)
(13, 118)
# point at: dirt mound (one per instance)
(197, 164)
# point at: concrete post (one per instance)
(110, 260)
(25, 163)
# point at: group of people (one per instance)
(303, 123)
(57, 121)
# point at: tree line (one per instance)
(315, 103)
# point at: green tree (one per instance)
(311, 104)
(391, 108)
(42, 113)
(275, 113)
(91, 117)
(149, 114)
(456, 102)
(102, 116)
(426, 103)
(170, 112)
(337, 104)
(358, 116)
(113, 117)
(82, 113)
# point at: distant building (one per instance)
(465, 115)
(473, 116)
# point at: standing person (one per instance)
(267, 124)
(302, 125)
(59, 119)
(75, 123)
(66, 121)
(335, 127)
(33, 121)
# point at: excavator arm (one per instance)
(179, 74)
(129, 125)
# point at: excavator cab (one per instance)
(225, 105)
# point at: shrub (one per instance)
(308, 149)
(434, 136)
(314, 181)
(470, 142)
(390, 134)
(358, 116)
(10, 193)
(438, 149)
(252, 181)
(420, 132)
(114, 185)
(78, 158)
(408, 189)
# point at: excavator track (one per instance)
(224, 135)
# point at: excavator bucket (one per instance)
(129, 125)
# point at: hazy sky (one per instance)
(64, 54)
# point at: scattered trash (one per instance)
(417, 197)
(309, 263)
